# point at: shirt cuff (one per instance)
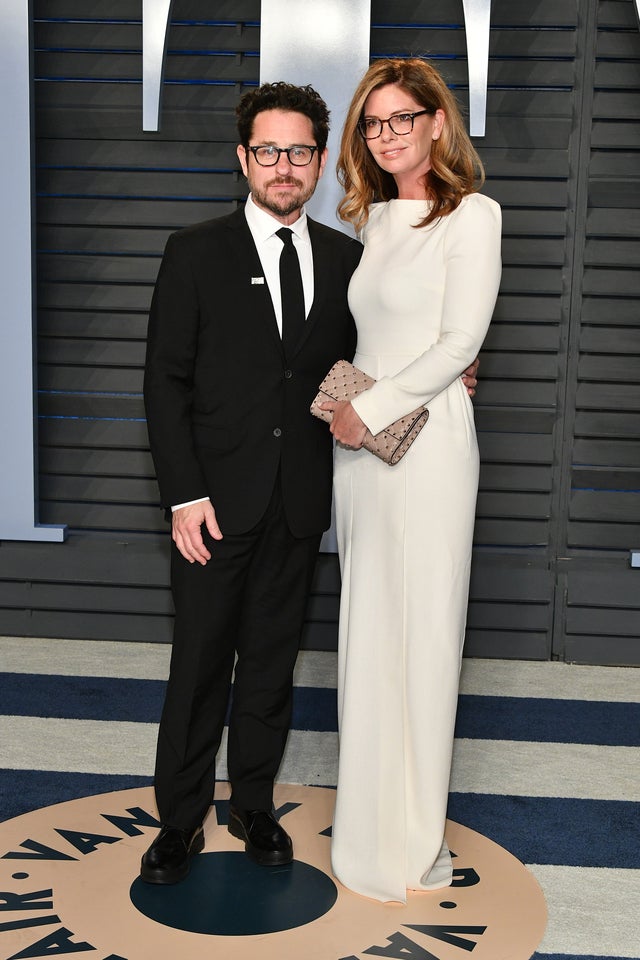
(188, 503)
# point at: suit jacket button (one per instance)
(277, 432)
(288, 374)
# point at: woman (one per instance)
(422, 298)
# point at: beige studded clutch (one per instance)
(344, 382)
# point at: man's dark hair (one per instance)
(283, 96)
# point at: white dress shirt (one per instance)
(263, 229)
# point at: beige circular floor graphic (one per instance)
(69, 886)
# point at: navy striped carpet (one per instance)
(546, 762)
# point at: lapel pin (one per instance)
(257, 280)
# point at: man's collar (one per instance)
(263, 225)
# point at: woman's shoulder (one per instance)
(478, 205)
(374, 213)
(376, 209)
(476, 211)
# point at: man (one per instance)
(229, 426)
(246, 471)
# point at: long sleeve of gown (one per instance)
(471, 251)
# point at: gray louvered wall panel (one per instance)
(558, 402)
(602, 611)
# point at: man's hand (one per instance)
(187, 534)
(346, 425)
(469, 377)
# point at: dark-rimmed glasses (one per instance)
(299, 155)
(400, 123)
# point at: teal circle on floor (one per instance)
(227, 894)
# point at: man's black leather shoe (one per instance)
(168, 858)
(265, 841)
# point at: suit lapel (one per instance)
(254, 291)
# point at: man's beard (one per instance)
(282, 204)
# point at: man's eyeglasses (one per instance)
(298, 155)
(400, 123)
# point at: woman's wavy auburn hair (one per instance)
(456, 169)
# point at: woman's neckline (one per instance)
(423, 202)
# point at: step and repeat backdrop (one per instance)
(557, 123)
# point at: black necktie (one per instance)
(291, 292)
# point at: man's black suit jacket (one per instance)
(225, 408)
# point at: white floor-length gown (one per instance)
(422, 300)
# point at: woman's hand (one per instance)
(346, 425)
